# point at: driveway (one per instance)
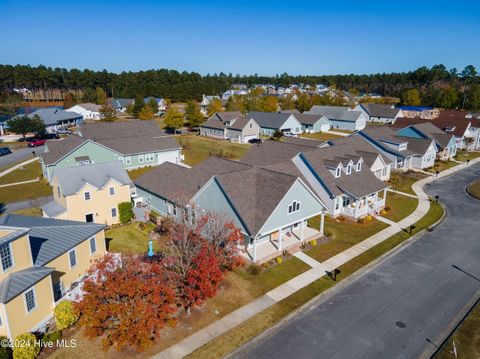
(390, 310)
(19, 155)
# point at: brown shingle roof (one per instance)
(59, 148)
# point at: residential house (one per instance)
(270, 122)
(206, 101)
(43, 261)
(270, 208)
(135, 143)
(337, 174)
(89, 193)
(424, 112)
(311, 123)
(121, 104)
(234, 92)
(161, 103)
(341, 118)
(89, 111)
(405, 152)
(55, 119)
(232, 126)
(375, 112)
(445, 142)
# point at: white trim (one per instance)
(12, 259)
(93, 217)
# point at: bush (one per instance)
(125, 210)
(387, 208)
(360, 220)
(65, 314)
(52, 336)
(5, 351)
(313, 242)
(253, 269)
(28, 347)
(279, 260)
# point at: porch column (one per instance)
(280, 239)
(254, 249)
(303, 227)
(385, 195)
(322, 220)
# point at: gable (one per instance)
(310, 206)
(291, 122)
(410, 132)
(378, 164)
(96, 152)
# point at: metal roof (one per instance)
(18, 282)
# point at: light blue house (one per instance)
(341, 118)
(270, 208)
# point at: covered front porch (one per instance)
(290, 237)
(361, 207)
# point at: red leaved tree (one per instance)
(127, 304)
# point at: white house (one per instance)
(341, 118)
(89, 111)
(375, 112)
(270, 122)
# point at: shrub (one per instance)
(126, 212)
(313, 242)
(253, 269)
(65, 314)
(360, 220)
(279, 260)
(52, 336)
(5, 350)
(27, 347)
(387, 208)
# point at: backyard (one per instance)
(197, 149)
(320, 136)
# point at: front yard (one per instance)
(399, 206)
(403, 181)
(463, 156)
(442, 166)
(198, 148)
(27, 172)
(342, 234)
(321, 136)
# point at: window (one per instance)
(174, 209)
(6, 257)
(349, 168)
(337, 203)
(72, 256)
(149, 157)
(121, 159)
(141, 158)
(86, 195)
(251, 125)
(89, 217)
(128, 160)
(359, 166)
(111, 190)
(58, 192)
(30, 301)
(114, 212)
(337, 172)
(93, 245)
(293, 207)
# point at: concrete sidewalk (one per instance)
(17, 183)
(17, 166)
(223, 325)
(344, 134)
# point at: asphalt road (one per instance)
(18, 155)
(390, 310)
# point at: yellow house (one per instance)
(42, 261)
(89, 193)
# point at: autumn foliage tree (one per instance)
(126, 303)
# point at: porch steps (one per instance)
(307, 259)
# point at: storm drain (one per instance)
(400, 324)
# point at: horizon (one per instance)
(207, 38)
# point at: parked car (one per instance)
(289, 134)
(37, 143)
(5, 151)
(51, 136)
(255, 140)
(64, 131)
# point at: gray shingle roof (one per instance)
(359, 145)
(122, 129)
(72, 179)
(88, 106)
(380, 110)
(273, 120)
(53, 209)
(13, 235)
(18, 282)
(52, 116)
(50, 238)
(310, 119)
(59, 148)
(431, 131)
(335, 113)
(270, 152)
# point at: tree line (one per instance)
(434, 84)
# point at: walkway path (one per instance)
(403, 193)
(17, 166)
(307, 259)
(338, 133)
(17, 183)
(387, 221)
(223, 325)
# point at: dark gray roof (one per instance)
(72, 179)
(213, 123)
(141, 144)
(302, 141)
(59, 148)
(52, 116)
(273, 120)
(53, 209)
(219, 121)
(333, 113)
(380, 110)
(271, 151)
(310, 119)
(18, 282)
(50, 238)
(294, 111)
(122, 129)
(429, 130)
(357, 144)
(120, 102)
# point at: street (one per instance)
(18, 155)
(392, 309)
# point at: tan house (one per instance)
(42, 261)
(89, 193)
(232, 126)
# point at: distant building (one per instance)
(89, 111)
(341, 118)
(121, 104)
(375, 112)
(232, 126)
(55, 119)
(424, 112)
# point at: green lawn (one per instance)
(399, 206)
(26, 191)
(343, 235)
(246, 331)
(403, 181)
(466, 338)
(197, 148)
(474, 189)
(24, 173)
(463, 156)
(442, 166)
(320, 136)
(134, 174)
(130, 239)
(32, 211)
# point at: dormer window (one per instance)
(359, 166)
(349, 169)
(338, 172)
(402, 147)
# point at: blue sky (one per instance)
(246, 37)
